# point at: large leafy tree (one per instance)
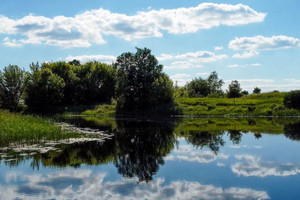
(11, 86)
(141, 84)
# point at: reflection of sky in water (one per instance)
(253, 169)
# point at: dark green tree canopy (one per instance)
(141, 83)
(292, 99)
(234, 90)
(60, 83)
(12, 84)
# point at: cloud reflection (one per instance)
(190, 154)
(254, 166)
(83, 184)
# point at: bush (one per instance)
(256, 90)
(292, 99)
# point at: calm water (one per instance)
(161, 159)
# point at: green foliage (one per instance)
(292, 99)
(103, 110)
(60, 83)
(199, 87)
(96, 83)
(245, 92)
(234, 89)
(180, 92)
(43, 88)
(141, 83)
(256, 90)
(12, 84)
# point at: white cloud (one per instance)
(256, 64)
(261, 43)
(85, 58)
(292, 80)
(253, 81)
(201, 56)
(242, 66)
(235, 66)
(181, 79)
(203, 74)
(254, 166)
(190, 60)
(82, 184)
(88, 28)
(246, 54)
(164, 57)
(182, 65)
(11, 43)
(218, 48)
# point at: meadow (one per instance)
(265, 104)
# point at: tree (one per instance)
(141, 84)
(200, 87)
(12, 85)
(292, 99)
(234, 89)
(215, 84)
(43, 88)
(256, 90)
(245, 92)
(96, 83)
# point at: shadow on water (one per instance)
(139, 147)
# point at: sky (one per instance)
(256, 42)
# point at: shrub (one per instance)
(234, 90)
(256, 90)
(292, 99)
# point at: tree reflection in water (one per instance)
(142, 147)
(212, 140)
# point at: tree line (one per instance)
(136, 81)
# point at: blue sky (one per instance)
(253, 41)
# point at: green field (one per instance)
(266, 104)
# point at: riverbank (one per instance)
(17, 128)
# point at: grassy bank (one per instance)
(17, 128)
(266, 104)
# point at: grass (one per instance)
(266, 104)
(17, 128)
(103, 109)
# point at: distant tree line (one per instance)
(136, 81)
(212, 87)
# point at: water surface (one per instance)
(216, 158)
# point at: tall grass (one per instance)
(17, 128)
